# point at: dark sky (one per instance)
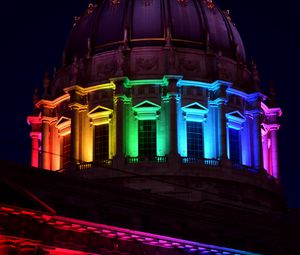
(34, 34)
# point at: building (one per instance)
(153, 138)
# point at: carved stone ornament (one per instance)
(114, 3)
(148, 2)
(105, 70)
(188, 64)
(183, 3)
(147, 64)
(227, 15)
(76, 19)
(210, 4)
(91, 8)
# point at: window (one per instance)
(234, 145)
(66, 155)
(194, 139)
(101, 142)
(147, 138)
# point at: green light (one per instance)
(131, 83)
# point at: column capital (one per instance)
(255, 113)
(37, 135)
(78, 89)
(120, 83)
(32, 120)
(122, 98)
(218, 101)
(78, 106)
(273, 127)
(172, 81)
(48, 120)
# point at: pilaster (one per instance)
(78, 102)
(36, 137)
(174, 158)
(119, 159)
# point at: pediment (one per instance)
(99, 109)
(146, 104)
(235, 115)
(195, 106)
(63, 120)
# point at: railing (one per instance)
(88, 165)
(211, 162)
(155, 159)
(195, 160)
(190, 160)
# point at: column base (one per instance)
(174, 161)
(119, 162)
(225, 163)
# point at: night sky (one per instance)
(34, 34)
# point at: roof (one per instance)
(182, 23)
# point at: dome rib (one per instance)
(189, 24)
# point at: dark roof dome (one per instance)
(181, 23)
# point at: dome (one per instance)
(198, 24)
(159, 88)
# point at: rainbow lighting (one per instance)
(79, 231)
(254, 138)
(160, 123)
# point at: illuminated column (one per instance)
(222, 122)
(222, 130)
(119, 159)
(75, 132)
(119, 126)
(35, 134)
(7, 247)
(86, 137)
(173, 126)
(246, 140)
(265, 146)
(55, 147)
(257, 143)
(78, 101)
(46, 154)
(35, 148)
(274, 150)
(174, 158)
(27, 248)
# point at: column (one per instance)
(75, 133)
(173, 126)
(27, 248)
(222, 131)
(119, 159)
(7, 247)
(55, 147)
(119, 127)
(274, 150)
(35, 150)
(86, 147)
(257, 140)
(46, 154)
(265, 152)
